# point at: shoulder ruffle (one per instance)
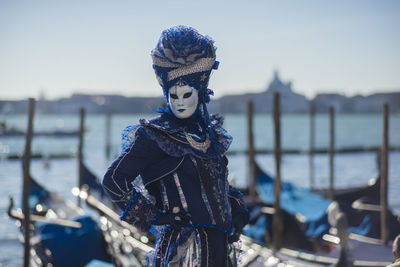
(224, 139)
(168, 137)
(128, 136)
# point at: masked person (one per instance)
(171, 178)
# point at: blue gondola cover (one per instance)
(73, 247)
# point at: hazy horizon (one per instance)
(93, 92)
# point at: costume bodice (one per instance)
(174, 173)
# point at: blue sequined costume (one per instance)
(162, 168)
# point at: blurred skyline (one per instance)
(58, 48)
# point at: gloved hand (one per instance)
(234, 237)
(175, 217)
(239, 221)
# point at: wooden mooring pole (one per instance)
(277, 224)
(80, 150)
(222, 108)
(331, 151)
(108, 135)
(384, 174)
(26, 164)
(251, 152)
(312, 145)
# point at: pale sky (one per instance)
(102, 46)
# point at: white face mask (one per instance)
(183, 100)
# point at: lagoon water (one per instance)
(360, 130)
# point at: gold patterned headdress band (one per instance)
(202, 64)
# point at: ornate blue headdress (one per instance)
(184, 55)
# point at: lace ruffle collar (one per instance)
(170, 136)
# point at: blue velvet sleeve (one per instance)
(137, 209)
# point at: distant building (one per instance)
(263, 102)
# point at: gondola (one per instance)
(306, 224)
(60, 229)
(360, 204)
(351, 194)
(348, 194)
(64, 235)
